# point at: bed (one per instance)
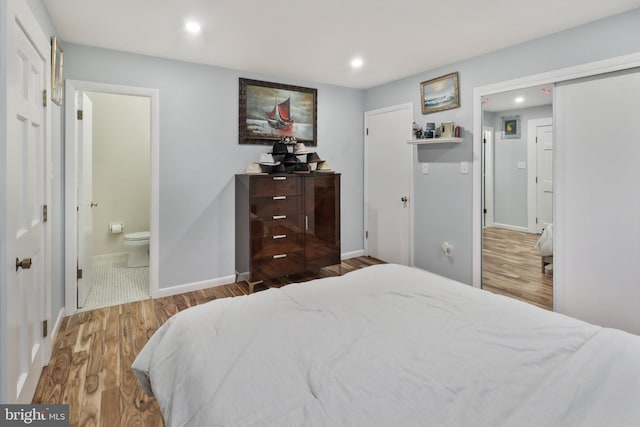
(388, 345)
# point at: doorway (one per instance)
(112, 179)
(119, 201)
(388, 187)
(517, 162)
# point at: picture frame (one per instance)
(270, 111)
(510, 127)
(439, 94)
(57, 56)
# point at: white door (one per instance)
(597, 230)
(84, 144)
(27, 176)
(544, 187)
(388, 174)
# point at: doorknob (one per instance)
(25, 264)
(94, 204)
(404, 199)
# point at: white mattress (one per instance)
(388, 345)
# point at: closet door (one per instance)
(597, 229)
(322, 221)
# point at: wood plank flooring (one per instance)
(512, 267)
(90, 363)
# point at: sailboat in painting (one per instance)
(280, 116)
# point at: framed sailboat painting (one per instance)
(271, 111)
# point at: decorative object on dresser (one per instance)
(286, 224)
(271, 111)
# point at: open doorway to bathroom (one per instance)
(120, 204)
(111, 194)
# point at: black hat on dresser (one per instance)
(301, 168)
(280, 168)
(279, 148)
(290, 158)
(313, 158)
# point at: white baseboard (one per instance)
(108, 258)
(353, 254)
(510, 227)
(195, 286)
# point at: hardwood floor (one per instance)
(90, 363)
(512, 267)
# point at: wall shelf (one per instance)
(434, 140)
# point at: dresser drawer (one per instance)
(263, 247)
(276, 206)
(261, 227)
(278, 185)
(277, 265)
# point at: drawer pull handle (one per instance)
(279, 217)
(279, 197)
(279, 178)
(279, 256)
(280, 236)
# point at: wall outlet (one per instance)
(447, 249)
(522, 165)
(425, 168)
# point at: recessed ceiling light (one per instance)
(356, 62)
(519, 99)
(192, 27)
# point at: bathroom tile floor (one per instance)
(115, 283)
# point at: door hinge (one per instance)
(536, 220)
(79, 274)
(45, 328)
(44, 98)
(45, 215)
(484, 140)
(484, 211)
(367, 131)
(79, 114)
(536, 179)
(366, 234)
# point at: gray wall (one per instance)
(199, 153)
(443, 199)
(509, 182)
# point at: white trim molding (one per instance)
(194, 286)
(353, 254)
(71, 249)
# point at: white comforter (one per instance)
(388, 346)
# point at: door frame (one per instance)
(584, 70)
(71, 232)
(532, 171)
(8, 10)
(487, 201)
(367, 114)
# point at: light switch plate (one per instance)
(425, 168)
(522, 165)
(464, 167)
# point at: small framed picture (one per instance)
(511, 127)
(441, 93)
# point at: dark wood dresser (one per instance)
(286, 224)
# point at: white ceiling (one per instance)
(531, 97)
(315, 40)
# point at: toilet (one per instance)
(138, 246)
